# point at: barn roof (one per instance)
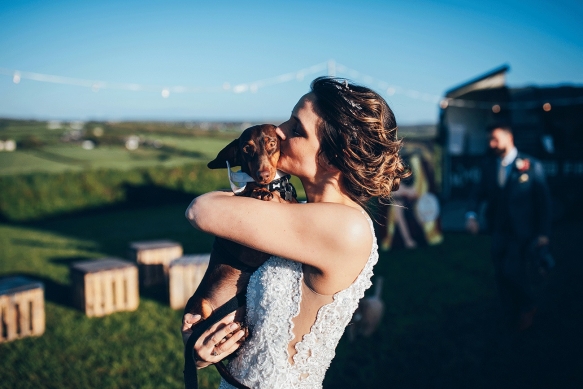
(493, 79)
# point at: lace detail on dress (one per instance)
(273, 300)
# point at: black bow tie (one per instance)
(284, 187)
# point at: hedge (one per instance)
(39, 195)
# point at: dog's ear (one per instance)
(229, 153)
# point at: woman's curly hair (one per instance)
(358, 135)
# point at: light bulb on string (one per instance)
(240, 88)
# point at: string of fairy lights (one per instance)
(330, 67)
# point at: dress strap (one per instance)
(368, 218)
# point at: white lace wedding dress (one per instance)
(274, 295)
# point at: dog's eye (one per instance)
(249, 150)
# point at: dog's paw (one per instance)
(262, 194)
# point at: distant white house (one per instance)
(7, 145)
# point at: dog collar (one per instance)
(283, 186)
(239, 180)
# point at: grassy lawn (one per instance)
(440, 328)
(59, 157)
(42, 149)
(125, 350)
(207, 146)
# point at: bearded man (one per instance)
(518, 216)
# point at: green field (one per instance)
(43, 150)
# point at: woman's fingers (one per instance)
(219, 340)
(230, 345)
(219, 330)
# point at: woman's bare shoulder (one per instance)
(338, 244)
(341, 220)
(340, 228)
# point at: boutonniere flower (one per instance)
(522, 164)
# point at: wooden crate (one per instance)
(22, 308)
(104, 286)
(184, 276)
(153, 258)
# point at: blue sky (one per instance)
(424, 46)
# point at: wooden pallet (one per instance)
(153, 258)
(22, 308)
(104, 286)
(184, 276)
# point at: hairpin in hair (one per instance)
(353, 137)
(352, 103)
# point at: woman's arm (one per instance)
(327, 236)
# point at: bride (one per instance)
(341, 142)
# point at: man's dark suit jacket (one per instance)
(521, 209)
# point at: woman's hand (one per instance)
(216, 343)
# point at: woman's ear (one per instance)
(325, 163)
(229, 153)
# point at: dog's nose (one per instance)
(263, 175)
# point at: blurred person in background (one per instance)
(518, 216)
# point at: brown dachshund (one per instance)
(231, 264)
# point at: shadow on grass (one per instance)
(157, 293)
(136, 197)
(149, 212)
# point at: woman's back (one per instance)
(276, 298)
